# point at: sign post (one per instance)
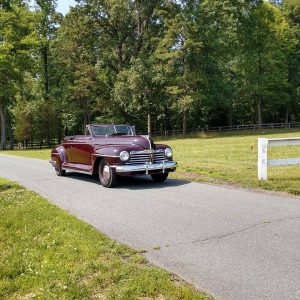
(262, 159)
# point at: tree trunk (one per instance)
(11, 138)
(230, 114)
(44, 52)
(86, 114)
(120, 55)
(10, 133)
(48, 124)
(259, 111)
(149, 123)
(260, 84)
(287, 115)
(166, 119)
(184, 122)
(46, 72)
(59, 137)
(3, 128)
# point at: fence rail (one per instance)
(33, 145)
(263, 161)
(244, 127)
(249, 127)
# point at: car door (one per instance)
(81, 150)
(67, 144)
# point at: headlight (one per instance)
(124, 156)
(168, 152)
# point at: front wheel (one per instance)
(161, 177)
(107, 177)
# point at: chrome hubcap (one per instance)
(106, 172)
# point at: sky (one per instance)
(63, 5)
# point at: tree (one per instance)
(17, 40)
(136, 90)
(76, 45)
(291, 10)
(162, 65)
(266, 48)
(117, 33)
(47, 21)
(122, 25)
(179, 51)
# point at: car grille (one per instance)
(141, 157)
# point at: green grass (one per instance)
(48, 254)
(40, 154)
(232, 158)
(224, 158)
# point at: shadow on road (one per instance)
(131, 182)
(145, 182)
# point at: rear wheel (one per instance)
(106, 175)
(161, 177)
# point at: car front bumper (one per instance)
(146, 168)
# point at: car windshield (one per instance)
(113, 130)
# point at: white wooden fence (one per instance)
(263, 161)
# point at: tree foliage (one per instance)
(161, 65)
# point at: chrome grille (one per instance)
(159, 156)
(141, 157)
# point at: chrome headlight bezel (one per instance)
(168, 153)
(124, 155)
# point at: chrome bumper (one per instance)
(145, 167)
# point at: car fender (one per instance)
(161, 146)
(58, 155)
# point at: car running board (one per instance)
(85, 169)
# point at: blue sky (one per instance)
(63, 5)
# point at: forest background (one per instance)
(160, 65)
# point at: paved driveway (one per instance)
(232, 243)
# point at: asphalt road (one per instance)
(232, 243)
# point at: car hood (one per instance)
(142, 141)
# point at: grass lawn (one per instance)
(40, 154)
(224, 158)
(232, 158)
(48, 254)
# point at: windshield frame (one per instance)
(130, 130)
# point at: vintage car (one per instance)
(111, 151)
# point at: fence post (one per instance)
(262, 159)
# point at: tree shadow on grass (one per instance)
(131, 182)
(7, 186)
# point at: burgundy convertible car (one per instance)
(110, 151)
